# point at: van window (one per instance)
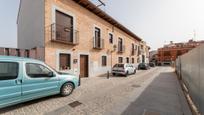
(8, 70)
(37, 70)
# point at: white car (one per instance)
(123, 69)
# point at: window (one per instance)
(120, 44)
(142, 47)
(133, 49)
(139, 52)
(179, 53)
(8, 70)
(37, 70)
(64, 27)
(136, 47)
(18, 52)
(104, 61)
(127, 60)
(120, 59)
(110, 38)
(7, 51)
(167, 53)
(97, 38)
(133, 60)
(26, 53)
(64, 62)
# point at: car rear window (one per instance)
(8, 70)
(119, 65)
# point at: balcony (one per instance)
(121, 49)
(64, 35)
(133, 52)
(98, 43)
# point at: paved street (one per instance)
(155, 91)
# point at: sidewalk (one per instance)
(163, 96)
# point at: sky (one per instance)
(155, 21)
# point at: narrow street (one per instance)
(155, 91)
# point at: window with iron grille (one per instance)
(27, 53)
(18, 52)
(110, 38)
(120, 59)
(120, 44)
(167, 53)
(133, 60)
(7, 53)
(97, 37)
(64, 27)
(104, 60)
(127, 60)
(133, 49)
(65, 61)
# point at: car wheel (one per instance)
(67, 89)
(113, 74)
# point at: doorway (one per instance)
(84, 66)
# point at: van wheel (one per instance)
(67, 89)
(113, 74)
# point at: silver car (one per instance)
(123, 69)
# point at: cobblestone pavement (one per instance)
(101, 96)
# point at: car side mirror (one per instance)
(51, 74)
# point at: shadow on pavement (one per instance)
(159, 98)
(21, 105)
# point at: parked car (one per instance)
(123, 69)
(143, 66)
(23, 79)
(151, 64)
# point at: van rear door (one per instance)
(10, 83)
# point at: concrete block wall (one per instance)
(190, 68)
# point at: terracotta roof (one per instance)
(94, 9)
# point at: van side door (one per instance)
(37, 81)
(10, 83)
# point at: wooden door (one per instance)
(84, 66)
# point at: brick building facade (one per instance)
(169, 53)
(77, 36)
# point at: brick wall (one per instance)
(35, 53)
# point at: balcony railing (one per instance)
(121, 49)
(132, 51)
(98, 43)
(63, 34)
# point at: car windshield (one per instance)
(142, 64)
(119, 65)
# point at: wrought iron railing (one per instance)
(98, 43)
(121, 48)
(64, 34)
